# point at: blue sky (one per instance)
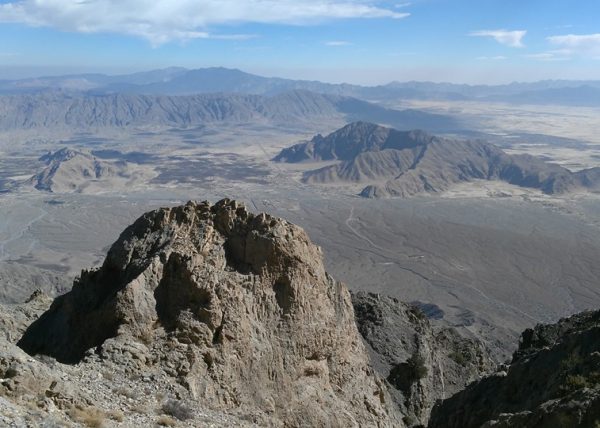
(367, 42)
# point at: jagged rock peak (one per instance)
(236, 307)
(353, 139)
(61, 155)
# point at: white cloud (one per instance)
(556, 55)
(509, 38)
(338, 43)
(492, 58)
(578, 44)
(162, 21)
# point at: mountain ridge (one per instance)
(60, 109)
(182, 81)
(405, 163)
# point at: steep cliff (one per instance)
(237, 308)
(552, 381)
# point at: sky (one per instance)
(356, 41)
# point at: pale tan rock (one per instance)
(237, 307)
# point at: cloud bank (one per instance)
(161, 21)
(513, 39)
(587, 45)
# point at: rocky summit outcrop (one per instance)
(420, 361)
(552, 381)
(392, 163)
(232, 309)
(41, 392)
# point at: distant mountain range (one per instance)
(181, 81)
(60, 109)
(404, 163)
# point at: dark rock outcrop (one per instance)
(236, 307)
(552, 381)
(421, 362)
(395, 163)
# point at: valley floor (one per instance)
(493, 258)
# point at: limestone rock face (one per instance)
(236, 307)
(552, 381)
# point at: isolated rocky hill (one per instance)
(404, 163)
(552, 381)
(68, 171)
(82, 111)
(231, 311)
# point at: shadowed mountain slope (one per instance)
(77, 111)
(552, 381)
(404, 163)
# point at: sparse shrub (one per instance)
(403, 375)
(166, 421)
(139, 408)
(177, 410)
(572, 362)
(458, 357)
(126, 392)
(574, 382)
(88, 416)
(417, 364)
(409, 420)
(594, 378)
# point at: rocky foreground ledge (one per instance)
(208, 315)
(227, 310)
(553, 380)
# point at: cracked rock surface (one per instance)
(224, 310)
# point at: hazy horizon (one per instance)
(353, 41)
(18, 73)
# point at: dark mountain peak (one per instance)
(61, 155)
(360, 126)
(404, 163)
(353, 139)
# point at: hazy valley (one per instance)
(478, 249)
